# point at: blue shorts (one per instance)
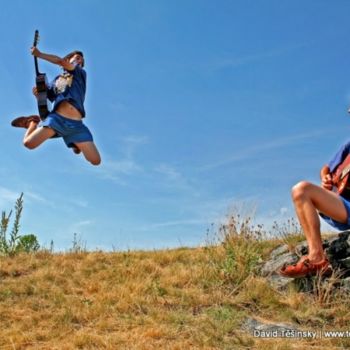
(336, 224)
(72, 131)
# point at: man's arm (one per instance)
(52, 58)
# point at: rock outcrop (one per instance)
(337, 249)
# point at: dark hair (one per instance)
(71, 54)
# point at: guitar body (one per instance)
(41, 85)
(341, 175)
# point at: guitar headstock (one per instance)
(36, 38)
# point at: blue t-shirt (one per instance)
(69, 86)
(334, 162)
(339, 156)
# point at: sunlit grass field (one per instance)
(186, 298)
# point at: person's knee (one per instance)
(29, 144)
(95, 160)
(300, 190)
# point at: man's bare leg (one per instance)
(309, 199)
(89, 151)
(35, 136)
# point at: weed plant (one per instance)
(290, 232)
(15, 243)
(239, 252)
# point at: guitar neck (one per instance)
(36, 66)
(36, 38)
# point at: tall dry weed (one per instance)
(290, 232)
(239, 251)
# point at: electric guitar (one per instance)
(41, 83)
(340, 176)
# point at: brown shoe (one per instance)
(304, 267)
(23, 122)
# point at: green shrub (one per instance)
(242, 249)
(28, 243)
(15, 243)
(239, 252)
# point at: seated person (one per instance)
(312, 202)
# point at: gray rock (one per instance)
(273, 265)
(345, 263)
(255, 327)
(301, 248)
(279, 282)
(337, 249)
(282, 249)
(345, 284)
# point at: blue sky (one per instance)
(197, 107)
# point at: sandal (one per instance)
(24, 122)
(304, 267)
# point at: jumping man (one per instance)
(67, 92)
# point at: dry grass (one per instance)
(154, 300)
(171, 299)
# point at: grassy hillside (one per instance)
(171, 299)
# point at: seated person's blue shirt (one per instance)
(339, 156)
(69, 86)
(334, 162)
